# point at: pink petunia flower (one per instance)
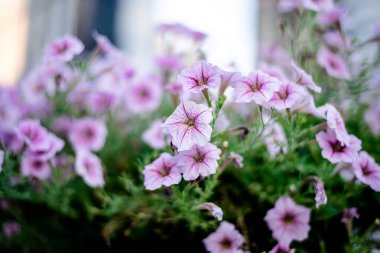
(215, 210)
(87, 133)
(228, 79)
(44, 153)
(281, 249)
(334, 151)
(163, 171)
(236, 159)
(333, 64)
(288, 5)
(367, 171)
(101, 101)
(372, 115)
(320, 194)
(318, 5)
(63, 49)
(199, 161)
(275, 139)
(286, 97)
(335, 122)
(202, 75)
(62, 124)
(1, 160)
(104, 45)
(334, 39)
(331, 16)
(349, 214)
(31, 166)
(11, 229)
(154, 136)
(288, 221)
(169, 62)
(226, 239)
(89, 167)
(274, 71)
(189, 124)
(33, 134)
(257, 87)
(304, 79)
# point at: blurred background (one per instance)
(236, 28)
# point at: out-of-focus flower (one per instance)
(202, 75)
(101, 101)
(335, 122)
(288, 221)
(274, 71)
(257, 87)
(333, 64)
(226, 239)
(346, 171)
(44, 153)
(163, 171)
(281, 249)
(334, 151)
(367, 170)
(89, 167)
(286, 97)
(189, 124)
(349, 214)
(87, 133)
(11, 141)
(104, 45)
(199, 161)
(376, 32)
(228, 79)
(63, 49)
(320, 194)
(62, 124)
(144, 95)
(307, 105)
(275, 139)
(318, 5)
(275, 54)
(154, 136)
(304, 79)
(222, 122)
(236, 159)
(372, 116)
(11, 229)
(1, 159)
(30, 166)
(331, 16)
(169, 62)
(33, 134)
(181, 30)
(334, 39)
(288, 5)
(215, 210)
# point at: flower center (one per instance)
(190, 122)
(202, 81)
(89, 133)
(338, 147)
(366, 171)
(255, 87)
(283, 95)
(333, 64)
(198, 157)
(288, 218)
(226, 243)
(62, 48)
(165, 171)
(37, 164)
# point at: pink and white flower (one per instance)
(334, 39)
(288, 221)
(199, 161)
(226, 239)
(304, 79)
(288, 5)
(320, 194)
(349, 214)
(189, 124)
(215, 210)
(286, 97)
(31, 166)
(63, 49)
(318, 5)
(155, 136)
(367, 171)
(45, 153)
(202, 75)
(333, 64)
(331, 16)
(33, 134)
(281, 249)
(275, 139)
(228, 79)
(236, 159)
(1, 160)
(334, 151)
(335, 122)
(89, 167)
(87, 133)
(164, 171)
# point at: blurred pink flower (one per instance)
(154, 136)
(101, 101)
(202, 75)
(169, 62)
(222, 122)
(331, 16)
(318, 5)
(45, 153)
(163, 171)
(307, 105)
(181, 30)
(31, 166)
(349, 214)
(275, 139)
(104, 45)
(33, 134)
(236, 159)
(367, 171)
(274, 71)
(257, 87)
(189, 124)
(199, 161)
(288, 5)
(87, 133)
(89, 167)
(62, 124)
(320, 194)
(333, 64)
(1, 159)
(334, 39)
(372, 117)
(334, 151)
(288, 221)
(335, 122)
(228, 79)
(63, 49)
(215, 210)
(11, 229)
(304, 79)
(286, 97)
(281, 249)
(226, 239)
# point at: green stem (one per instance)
(207, 97)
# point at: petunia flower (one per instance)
(63, 49)
(349, 214)
(333, 64)
(62, 124)
(163, 171)
(202, 75)
(257, 87)
(45, 153)
(331, 16)
(228, 79)
(275, 139)
(281, 249)
(320, 194)
(88, 133)
(318, 5)
(285, 6)
(226, 239)
(334, 151)
(31, 166)
(1, 159)
(236, 159)
(335, 122)
(288, 221)
(367, 171)
(304, 79)
(169, 62)
(334, 40)
(11, 229)
(189, 124)
(199, 161)
(104, 45)
(154, 136)
(89, 167)
(101, 101)
(33, 134)
(215, 210)
(286, 97)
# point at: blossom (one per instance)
(31, 166)
(335, 122)
(334, 39)
(189, 124)
(320, 194)
(281, 249)
(163, 171)
(288, 5)
(63, 49)
(101, 101)
(304, 79)
(62, 124)
(367, 171)
(349, 214)
(154, 136)
(144, 95)
(104, 45)
(333, 64)
(1, 160)
(89, 167)
(275, 139)
(257, 87)
(371, 117)
(286, 97)
(168, 62)
(87, 133)
(215, 210)
(318, 5)
(334, 151)
(236, 159)
(228, 79)
(47, 152)
(32, 133)
(11, 229)
(199, 161)
(331, 16)
(226, 239)
(288, 221)
(202, 75)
